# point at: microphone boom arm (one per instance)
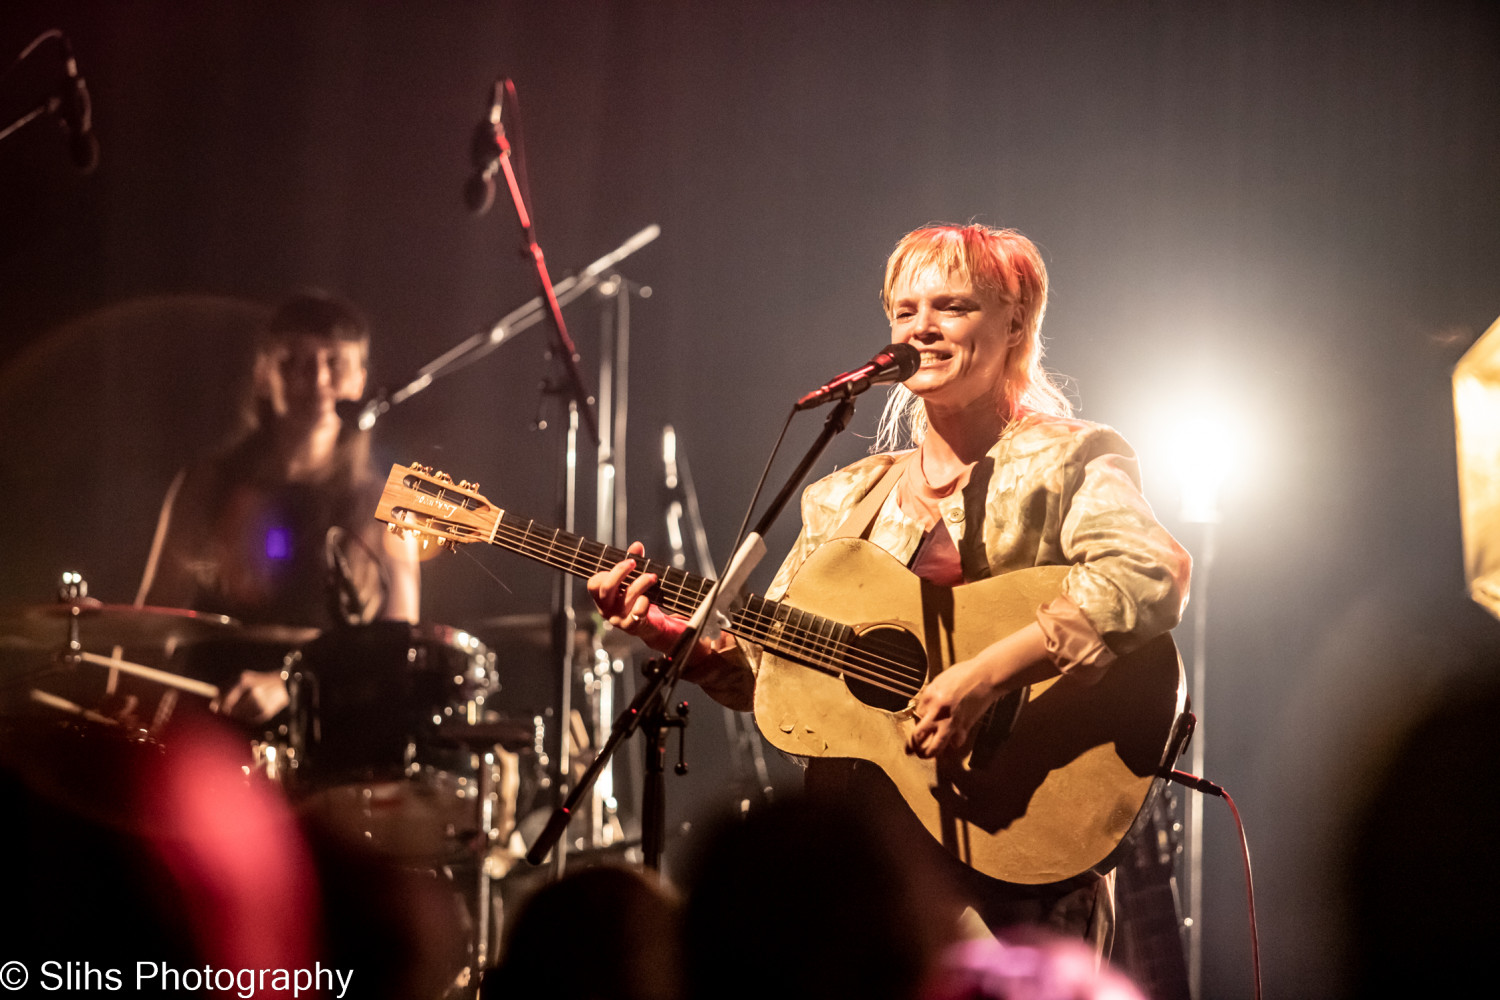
(512, 323)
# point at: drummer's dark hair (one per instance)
(316, 313)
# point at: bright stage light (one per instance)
(1205, 450)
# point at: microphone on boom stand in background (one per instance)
(76, 112)
(479, 190)
(69, 104)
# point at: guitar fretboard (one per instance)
(677, 591)
(799, 635)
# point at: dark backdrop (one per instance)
(1287, 208)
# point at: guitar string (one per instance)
(879, 670)
(828, 648)
(891, 674)
(824, 648)
(833, 653)
(531, 544)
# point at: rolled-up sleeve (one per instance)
(1128, 577)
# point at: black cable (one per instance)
(1207, 787)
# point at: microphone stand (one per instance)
(564, 346)
(751, 779)
(648, 708)
(580, 410)
(47, 107)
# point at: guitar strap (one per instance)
(862, 518)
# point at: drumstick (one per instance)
(63, 705)
(151, 673)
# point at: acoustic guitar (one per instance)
(1055, 776)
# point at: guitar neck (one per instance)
(415, 499)
(677, 591)
(680, 591)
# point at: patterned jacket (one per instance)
(1052, 491)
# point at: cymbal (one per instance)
(113, 624)
(535, 629)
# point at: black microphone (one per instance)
(361, 414)
(76, 112)
(479, 190)
(896, 363)
(345, 602)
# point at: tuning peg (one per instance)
(442, 477)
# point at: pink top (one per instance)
(1071, 639)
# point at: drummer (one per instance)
(276, 528)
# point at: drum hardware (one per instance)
(598, 663)
(268, 759)
(287, 636)
(511, 734)
(604, 828)
(534, 630)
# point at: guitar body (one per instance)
(1060, 771)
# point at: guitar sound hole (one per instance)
(887, 651)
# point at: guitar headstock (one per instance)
(418, 502)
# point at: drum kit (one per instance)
(391, 737)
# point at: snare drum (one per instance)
(369, 702)
(367, 754)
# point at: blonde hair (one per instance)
(997, 263)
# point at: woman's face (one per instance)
(964, 337)
(309, 375)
